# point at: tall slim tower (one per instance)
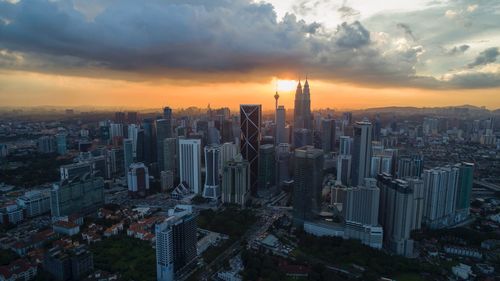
(250, 123)
(298, 121)
(280, 125)
(190, 163)
(212, 185)
(361, 152)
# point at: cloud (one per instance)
(457, 50)
(196, 40)
(407, 30)
(348, 13)
(485, 57)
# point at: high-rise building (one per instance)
(190, 163)
(344, 169)
(345, 145)
(410, 166)
(283, 163)
(466, 173)
(280, 125)
(46, 144)
(128, 154)
(138, 180)
(212, 185)
(120, 117)
(236, 181)
(267, 166)
(61, 144)
(441, 187)
(397, 214)
(167, 180)
(170, 155)
(308, 183)
(302, 137)
(175, 243)
(35, 203)
(362, 203)
(149, 141)
(83, 195)
(328, 130)
(163, 131)
(228, 151)
(302, 111)
(361, 152)
(132, 117)
(250, 121)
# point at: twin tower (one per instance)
(302, 112)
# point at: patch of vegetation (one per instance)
(39, 169)
(337, 251)
(231, 221)
(134, 259)
(7, 256)
(259, 266)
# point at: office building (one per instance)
(170, 155)
(345, 145)
(46, 144)
(132, 117)
(175, 243)
(212, 183)
(128, 154)
(267, 167)
(35, 203)
(308, 182)
(228, 151)
(281, 125)
(361, 152)
(328, 130)
(302, 137)
(149, 141)
(163, 131)
(138, 180)
(302, 117)
(236, 181)
(466, 173)
(61, 143)
(283, 163)
(167, 180)
(190, 163)
(410, 166)
(83, 195)
(250, 123)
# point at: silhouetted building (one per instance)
(250, 120)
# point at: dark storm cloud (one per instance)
(407, 30)
(197, 40)
(485, 57)
(457, 50)
(352, 35)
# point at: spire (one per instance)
(299, 90)
(306, 88)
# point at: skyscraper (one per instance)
(328, 134)
(308, 183)
(302, 111)
(163, 131)
(397, 214)
(128, 154)
(410, 166)
(280, 125)
(175, 242)
(212, 185)
(362, 204)
(138, 180)
(345, 145)
(61, 143)
(361, 152)
(250, 120)
(236, 181)
(149, 141)
(466, 171)
(170, 155)
(267, 166)
(190, 163)
(83, 195)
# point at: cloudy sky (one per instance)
(356, 53)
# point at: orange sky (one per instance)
(34, 89)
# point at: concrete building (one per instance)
(361, 152)
(138, 180)
(250, 123)
(212, 182)
(267, 166)
(175, 243)
(35, 203)
(308, 182)
(190, 163)
(236, 181)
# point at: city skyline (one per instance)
(357, 55)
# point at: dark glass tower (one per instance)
(250, 123)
